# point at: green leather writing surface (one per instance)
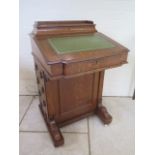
(79, 43)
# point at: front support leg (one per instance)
(53, 130)
(101, 111)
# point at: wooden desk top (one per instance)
(70, 48)
(68, 41)
(72, 44)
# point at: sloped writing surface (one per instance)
(71, 44)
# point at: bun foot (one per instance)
(103, 114)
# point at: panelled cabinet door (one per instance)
(77, 96)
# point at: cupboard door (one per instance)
(77, 95)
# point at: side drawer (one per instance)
(90, 65)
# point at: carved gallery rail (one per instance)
(70, 61)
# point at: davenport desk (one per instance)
(70, 61)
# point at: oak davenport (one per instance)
(70, 61)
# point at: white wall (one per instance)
(114, 18)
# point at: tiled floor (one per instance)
(86, 137)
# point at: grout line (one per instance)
(102, 96)
(28, 95)
(48, 132)
(89, 146)
(119, 96)
(75, 132)
(33, 131)
(26, 110)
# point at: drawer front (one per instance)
(102, 63)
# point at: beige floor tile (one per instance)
(24, 102)
(118, 137)
(79, 126)
(28, 87)
(33, 121)
(41, 144)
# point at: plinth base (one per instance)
(55, 132)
